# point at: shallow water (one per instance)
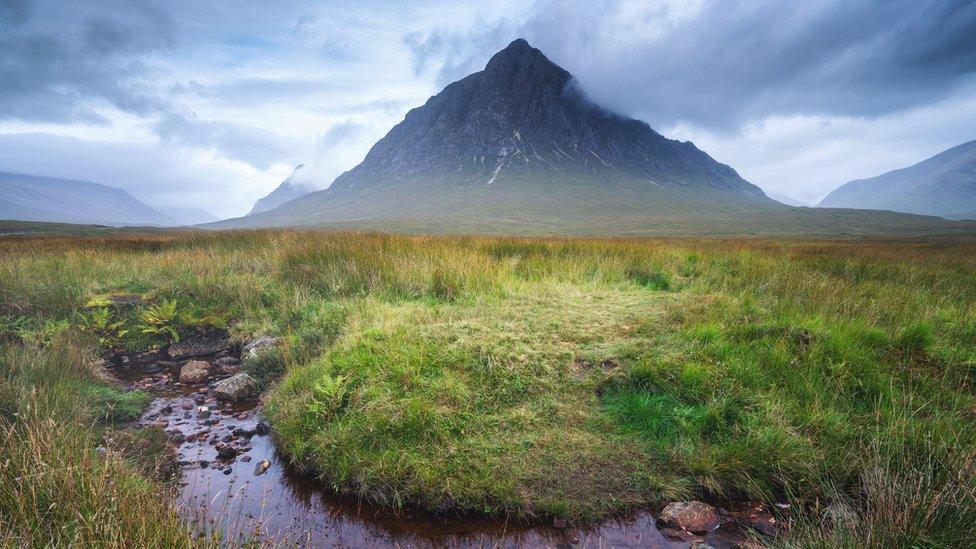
(283, 505)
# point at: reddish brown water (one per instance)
(283, 505)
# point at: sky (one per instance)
(212, 104)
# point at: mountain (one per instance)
(289, 189)
(787, 200)
(188, 216)
(518, 149)
(34, 198)
(944, 185)
(517, 143)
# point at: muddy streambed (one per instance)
(232, 479)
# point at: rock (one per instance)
(262, 467)
(161, 424)
(259, 345)
(693, 516)
(237, 387)
(676, 534)
(227, 453)
(204, 464)
(246, 459)
(227, 365)
(194, 371)
(262, 428)
(203, 412)
(227, 471)
(199, 346)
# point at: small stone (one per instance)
(262, 467)
(262, 428)
(227, 471)
(246, 459)
(236, 387)
(204, 464)
(203, 412)
(676, 534)
(194, 371)
(227, 453)
(162, 424)
(693, 516)
(228, 365)
(259, 345)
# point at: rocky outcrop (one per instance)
(237, 387)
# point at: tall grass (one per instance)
(546, 376)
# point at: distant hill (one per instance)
(34, 198)
(944, 185)
(189, 216)
(289, 189)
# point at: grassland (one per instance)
(529, 377)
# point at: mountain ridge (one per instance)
(49, 199)
(942, 185)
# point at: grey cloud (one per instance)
(455, 54)
(737, 62)
(66, 74)
(257, 147)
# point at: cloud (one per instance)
(337, 149)
(721, 65)
(257, 147)
(157, 175)
(71, 72)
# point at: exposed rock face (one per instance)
(693, 516)
(199, 346)
(194, 371)
(237, 387)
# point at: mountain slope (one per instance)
(288, 190)
(513, 145)
(33, 198)
(943, 185)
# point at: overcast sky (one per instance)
(211, 104)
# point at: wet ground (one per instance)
(233, 480)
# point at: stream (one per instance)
(233, 480)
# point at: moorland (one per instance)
(532, 378)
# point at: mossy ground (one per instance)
(562, 377)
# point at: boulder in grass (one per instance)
(693, 516)
(236, 387)
(259, 345)
(194, 371)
